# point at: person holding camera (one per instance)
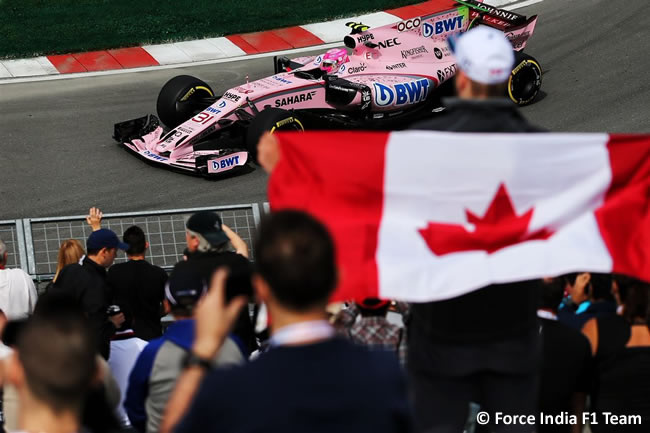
(161, 362)
(212, 244)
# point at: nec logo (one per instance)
(389, 43)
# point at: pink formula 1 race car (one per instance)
(387, 77)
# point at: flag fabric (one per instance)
(424, 216)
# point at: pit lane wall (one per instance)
(33, 243)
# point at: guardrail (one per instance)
(33, 243)
(12, 234)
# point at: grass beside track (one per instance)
(40, 27)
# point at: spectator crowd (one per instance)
(257, 347)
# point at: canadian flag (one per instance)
(425, 216)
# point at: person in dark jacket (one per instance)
(620, 345)
(482, 346)
(87, 284)
(309, 380)
(590, 295)
(565, 376)
(210, 245)
(139, 287)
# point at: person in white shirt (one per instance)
(17, 291)
(125, 349)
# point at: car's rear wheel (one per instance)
(525, 79)
(181, 98)
(270, 120)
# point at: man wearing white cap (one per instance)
(484, 58)
(483, 346)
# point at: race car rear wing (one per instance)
(494, 17)
(516, 27)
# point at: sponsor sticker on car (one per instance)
(396, 66)
(231, 97)
(414, 53)
(227, 162)
(401, 93)
(388, 43)
(149, 154)
(294, 99)
(446, 73)
(357, 69)
(412, 24)
(442, 27)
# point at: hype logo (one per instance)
(401, 93)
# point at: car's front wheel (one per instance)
(181, 98)
(270, 120)
(525, 79)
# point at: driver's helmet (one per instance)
(333, 59)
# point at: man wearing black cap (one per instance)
(86, 282)
(210, 245)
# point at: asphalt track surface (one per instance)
(57, 156)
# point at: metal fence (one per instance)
(34, 242)
(11, 233)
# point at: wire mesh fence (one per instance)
(165, 231)
(12, 235)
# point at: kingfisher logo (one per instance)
(442, 26)
(401, 93)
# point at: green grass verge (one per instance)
(40, 27)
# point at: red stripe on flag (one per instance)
(338, 178)
(624, 218)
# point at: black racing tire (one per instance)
(525, 79)
(270, 120)
(181, 98)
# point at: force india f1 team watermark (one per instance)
(564, 418)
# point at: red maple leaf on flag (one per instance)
(500, 227)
